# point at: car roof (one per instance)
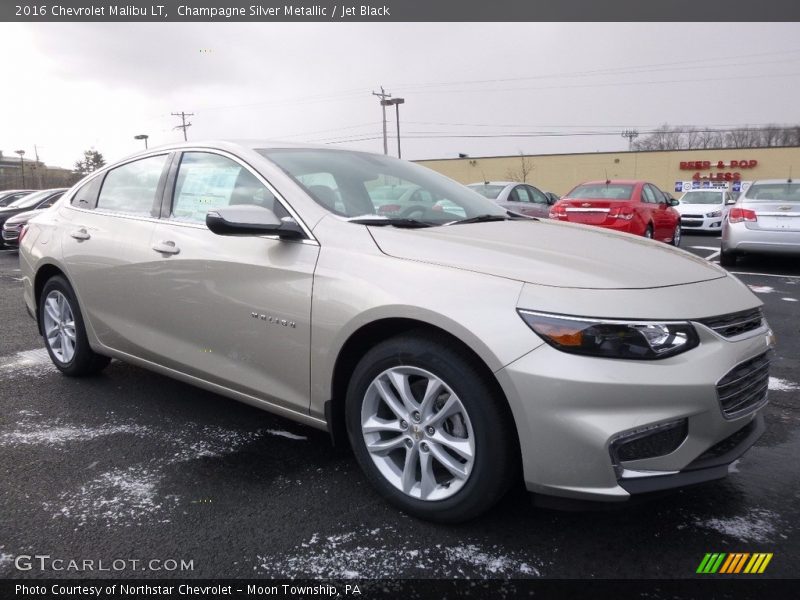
(496, 183)
(612, 181)
(788, 180)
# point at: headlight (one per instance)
(641, 340)
(716, 213)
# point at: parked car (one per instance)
(454, 354)
(9, 196)
(518, 197)
(13, 225)
(41, 199)
(703, 210)
(552, 197)
(764, 220)
(636, 207)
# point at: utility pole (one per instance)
(631, 134)
(396, 102)
(183, 124)
(383, 96)
(21, 164)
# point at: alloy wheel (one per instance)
(418, 433)
(676, 237)
(59, 326)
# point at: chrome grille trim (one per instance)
(745, 387)
(734, 324)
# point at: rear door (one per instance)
(233, 310)
(107, 228)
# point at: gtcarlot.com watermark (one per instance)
(45, 562)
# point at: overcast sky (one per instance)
(69, 87)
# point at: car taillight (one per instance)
(737, 215)
(624, 212)
(22, 233)
(558, 212)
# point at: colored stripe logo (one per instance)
(734, 563)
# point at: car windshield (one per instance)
(487, 191)
(604, 191)
(357, 184)
(702, 198)
(30, 200)
(783, 192)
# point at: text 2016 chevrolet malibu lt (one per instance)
(455, 346)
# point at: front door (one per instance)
(233, 310)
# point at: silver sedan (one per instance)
(764, 220)
(457, 349)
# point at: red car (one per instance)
(636, 207)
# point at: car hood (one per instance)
(549, 253)
(694, 208)
(25, 216)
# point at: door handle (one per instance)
(166, 247)
(80, 234)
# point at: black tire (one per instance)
(648, 232)
(676, 236)
(496, 451)
(84, 361)
(727, 259)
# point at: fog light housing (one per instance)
(647, 442)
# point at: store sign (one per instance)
(721, 175)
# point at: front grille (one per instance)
(734, 324)
(745, 387)
(692, 216)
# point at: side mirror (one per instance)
(250, 219)
(730, 201)
(674, 202)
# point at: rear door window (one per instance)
(131, 188)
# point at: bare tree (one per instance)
(689, 138)
(521, 174)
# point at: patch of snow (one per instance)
(51, 433)
(757, 526)
(29, 363)
(286, 434)
(761, 289)
(365, 554)
(120, 497)
(789, 299)
(782, 385)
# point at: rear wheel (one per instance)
(64, 333)
(430, 433)
(727, 258)
(676, 236)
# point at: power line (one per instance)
(183, 124)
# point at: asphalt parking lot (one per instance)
(132, 465)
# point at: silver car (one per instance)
(522, 198)
(455, 351)
(764, 220)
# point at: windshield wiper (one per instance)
(480, 219)
(383, 221)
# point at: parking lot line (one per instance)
(704, 247)
(764, 274)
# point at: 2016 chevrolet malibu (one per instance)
(455, 349)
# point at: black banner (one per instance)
(398, 10)
(716, 588)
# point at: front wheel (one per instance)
(648, 233)
(430, 433)
(64, 333)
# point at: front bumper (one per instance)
(10, 236)
(698, 222)
(570, 409)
